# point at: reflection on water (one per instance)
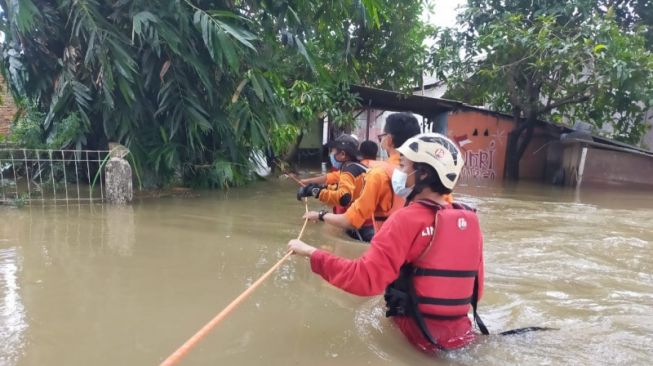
(119, 229)
(104, 285)
(12, 312)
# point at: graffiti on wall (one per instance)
(480, 163)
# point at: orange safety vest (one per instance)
(397, 202)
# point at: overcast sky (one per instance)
(444, 12)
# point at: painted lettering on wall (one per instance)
(480, 164)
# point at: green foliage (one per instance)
(69, 132)
(191, 87)
(27, 130)
(563, 61)
(283, 137)
(220, 174)
(308, 102)
(20, 201)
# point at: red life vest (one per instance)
(442, 283)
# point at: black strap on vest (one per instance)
(354, 168)
(402, 300)
(442, 317)
(417, 315)
(443, 302)
(473, 300)
(477, 318)
(443, 272)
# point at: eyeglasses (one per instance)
(381, 136)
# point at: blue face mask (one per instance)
(335, 163)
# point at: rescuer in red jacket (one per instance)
(428, 256)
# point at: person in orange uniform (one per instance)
(377, 200)
(330, 178)
(428, 256)
(369, 150)
(344, 157)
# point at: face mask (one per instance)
(383, 154)
(335, 163)
(399, 183)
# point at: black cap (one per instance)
(347, 144)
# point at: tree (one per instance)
(562, 61)
(631, 14)
(193, 86)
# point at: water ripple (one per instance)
(13, 322)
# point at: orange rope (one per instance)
(174, 358)
(276, 162)
(295, 179)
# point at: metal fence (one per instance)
(29, 176)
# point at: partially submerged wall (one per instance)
(483, 137)
(604, 166)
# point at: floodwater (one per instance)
(100, 285)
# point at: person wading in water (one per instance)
(427, 257)
(377, 201)
(344, 157)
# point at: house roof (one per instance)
(607, 144)
(389, 100)
(429, 107)
(429, 86)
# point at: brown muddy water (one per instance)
(101, 285)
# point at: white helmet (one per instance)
(437, 151)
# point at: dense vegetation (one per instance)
(192, 87)
(564, 61)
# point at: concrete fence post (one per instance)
(119, 188)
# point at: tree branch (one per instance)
(514, 92)
(569, 100)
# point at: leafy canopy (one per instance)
(193, 86)
(564, 61)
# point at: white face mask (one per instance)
(399, 183)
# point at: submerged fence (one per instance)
(29, 176)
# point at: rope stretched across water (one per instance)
(175, 357)
(287, 173)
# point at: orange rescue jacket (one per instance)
(348, 187)
(377, 201)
